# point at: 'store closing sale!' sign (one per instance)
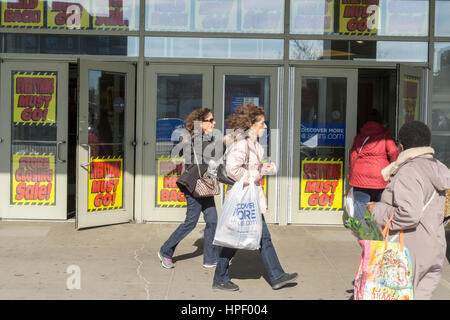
(105, 183)
(33, 179)
(34, 98)
(321, 184)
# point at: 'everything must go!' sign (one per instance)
(34, 98)
(321, 184)
(105, 184)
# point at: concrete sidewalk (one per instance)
(120, 262)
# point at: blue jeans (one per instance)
(361, 196)
(268, 255)
(194, 207)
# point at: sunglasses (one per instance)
(209, 120)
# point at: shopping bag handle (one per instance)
(386, 232)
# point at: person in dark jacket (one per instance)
(199, 138)
(373, 149)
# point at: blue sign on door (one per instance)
(314, 134)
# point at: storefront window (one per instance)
(70, 44)
(101, 15)
(440, 119)
(216, 48)
(373, 17)
(442, 22)
(358, 50)
(246, 16)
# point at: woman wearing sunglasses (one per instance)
(200, 124)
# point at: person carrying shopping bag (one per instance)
(244, 161)
(415, 199)
(187, 184)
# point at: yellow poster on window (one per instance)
(33, 179)
(321, 184)
(66, 15)
(34, 98)
(359, 17)
(22, 13)
(409, 110)
(168, 195)
(105, 183)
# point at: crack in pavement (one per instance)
(138, 271)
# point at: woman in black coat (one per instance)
(200, 139)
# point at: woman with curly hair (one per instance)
(199, 124)
(244, 160)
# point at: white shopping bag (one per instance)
(349, 203)
(240, 223)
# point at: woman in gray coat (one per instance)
(416, 196)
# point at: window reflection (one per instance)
(440, 118)
(220, 48)
(358, 50)
(442, 22)
(250, 16)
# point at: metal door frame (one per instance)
(59, 211)
(149, 183)
(84, 218)
(273, 182)
(297, 216)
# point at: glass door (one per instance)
(258, 85)
(324, 125)
(33, 135)
(105, 177)
(172, 92)
(410, 90)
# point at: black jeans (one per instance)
(268, 255)
(194, 207)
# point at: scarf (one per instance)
(403, 157)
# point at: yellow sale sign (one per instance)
(22, 13)
(105, 183)
(321, 184)
(359, 17)
(33, 179)
(66, 15)
(409, 110)
(34, 98)
(168, 193)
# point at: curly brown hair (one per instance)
(196, 115)
(245, 116)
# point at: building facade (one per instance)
(94, 94)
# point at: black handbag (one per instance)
(222, 175)
(221, 171)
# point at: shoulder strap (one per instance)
(363, 144)
(196, 161)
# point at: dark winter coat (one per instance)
(189, 177)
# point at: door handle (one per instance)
(145, 143)
(58, 159)
(86, 165)
(1, 140)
